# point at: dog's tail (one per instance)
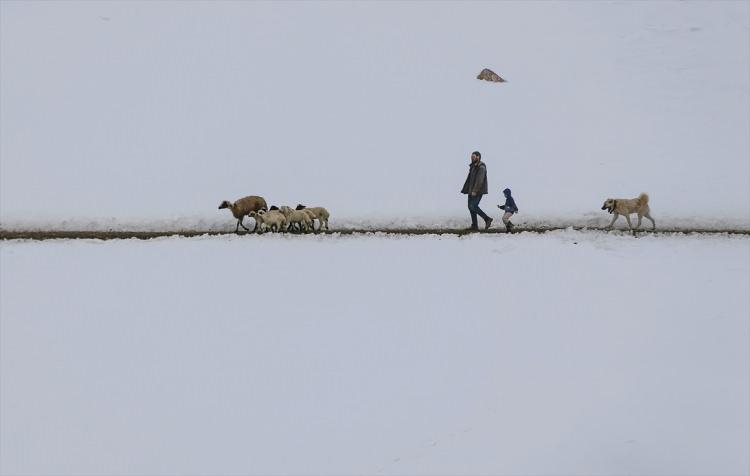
(643, 199)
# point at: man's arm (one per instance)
(480, 179)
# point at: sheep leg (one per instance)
(240, 224)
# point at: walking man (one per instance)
(475, 187)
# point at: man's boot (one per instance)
(487, 223)
(472, 228)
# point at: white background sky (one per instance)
(149, 109)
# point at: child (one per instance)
(510, 208)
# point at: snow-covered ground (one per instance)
(140, 112)
(563, 353)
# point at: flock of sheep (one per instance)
(301, 218)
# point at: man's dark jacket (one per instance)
(476, 182)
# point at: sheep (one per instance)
(296, 226)
(310, 215)
(259, 221)
(272, 219)
(242, 207)
(317, 212)
(296, 216)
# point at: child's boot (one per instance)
(509, 227)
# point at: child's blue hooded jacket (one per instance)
(510, 204)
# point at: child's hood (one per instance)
(506, 192)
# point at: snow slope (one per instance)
(153, 111)
(563, 353)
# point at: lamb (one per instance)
(242, 207)
(317, 212)
(311, 215)
(296, 217)
(273, 220)
(259, 221)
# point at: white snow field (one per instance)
(567, 353)
(561, 353)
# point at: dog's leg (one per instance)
(638, 225)
(614, 218)
(653, 223)
(627, 217)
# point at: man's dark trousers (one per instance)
(474, 209)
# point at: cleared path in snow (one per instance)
(144, 235)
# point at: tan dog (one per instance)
(628, 206)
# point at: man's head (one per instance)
(476, 156)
